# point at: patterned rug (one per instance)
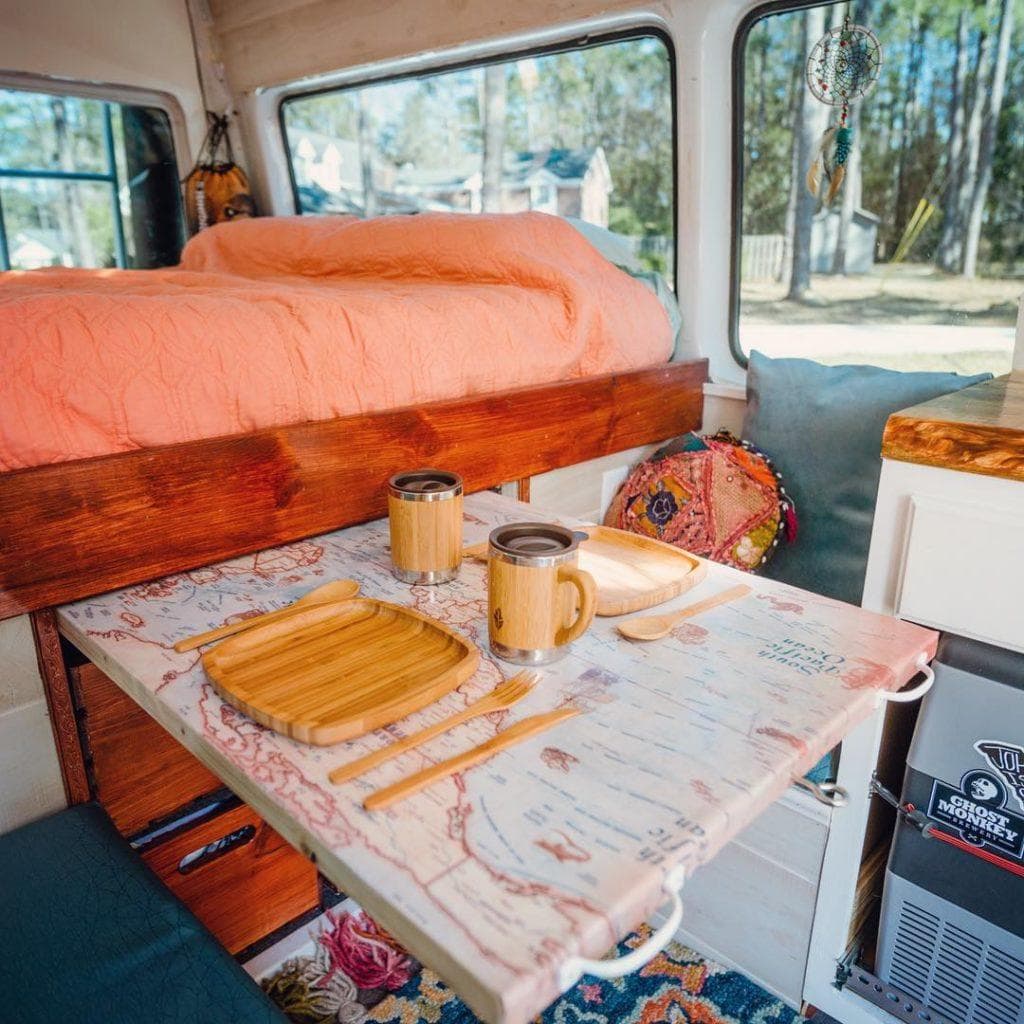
(354, 973)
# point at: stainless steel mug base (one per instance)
(430, 578)
(518, 656)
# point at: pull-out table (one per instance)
(507, 878)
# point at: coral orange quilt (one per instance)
(279, 321)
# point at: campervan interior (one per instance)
(512, 511)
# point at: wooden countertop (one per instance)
(562, 845)
(977, 430)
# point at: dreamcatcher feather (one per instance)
(843, 67)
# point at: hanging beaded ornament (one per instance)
(843, 66)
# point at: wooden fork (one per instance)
(503, 696)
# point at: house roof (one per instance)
(859, 213)
(45, 237)
(562, 163)
(521, 168)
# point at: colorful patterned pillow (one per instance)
(714, 496)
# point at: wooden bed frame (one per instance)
(79, 528)
(75, 529)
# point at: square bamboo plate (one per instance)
(339, 670)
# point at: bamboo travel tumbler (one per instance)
(425, 520)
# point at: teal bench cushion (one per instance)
(89, 934)
(822, 425)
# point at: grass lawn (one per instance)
(904, 293)
(907, 317)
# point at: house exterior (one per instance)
(565, 182)
(861, 241)
(32, 248)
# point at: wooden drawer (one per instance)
(140, 772)
(237, 875)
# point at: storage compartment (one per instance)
(140, 773)
(957, 571)
(237, 875)
(752, 906)
(952, 922)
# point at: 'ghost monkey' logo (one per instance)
(1008, 760)
(976, 811)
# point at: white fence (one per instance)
(761, 257)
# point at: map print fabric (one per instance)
(559, 846)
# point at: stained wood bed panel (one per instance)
(79, 528)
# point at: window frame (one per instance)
(122, 95)
(583, 38)
(739, 71)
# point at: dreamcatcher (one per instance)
(843, 67)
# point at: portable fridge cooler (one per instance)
(952, 920)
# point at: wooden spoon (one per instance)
(654, 627)
(503, 696)
(337, 590)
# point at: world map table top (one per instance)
(557, 847)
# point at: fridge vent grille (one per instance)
(912, 954)
(954, 972)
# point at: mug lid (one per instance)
(534, 541)
(425, 484)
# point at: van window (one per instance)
(918, 263)
(584, 133)
(85, 183)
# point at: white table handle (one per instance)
(908, 696)
(575, 967)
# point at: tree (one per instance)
(949, 248)
(986, 146)
(366, 148)
(494, 136)
(945, 124)
(972, 134)
(906, 200)
(71, 212)
(807, 130)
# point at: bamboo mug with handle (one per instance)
(539, 600)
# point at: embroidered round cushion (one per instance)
(718, 497)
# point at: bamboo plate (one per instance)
(339, 670)
(631, 572)
(634, 572)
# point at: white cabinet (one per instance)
(962, 570)
(947, 551)
(752, 907)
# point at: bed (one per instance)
(166, 446)
(279, 321)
